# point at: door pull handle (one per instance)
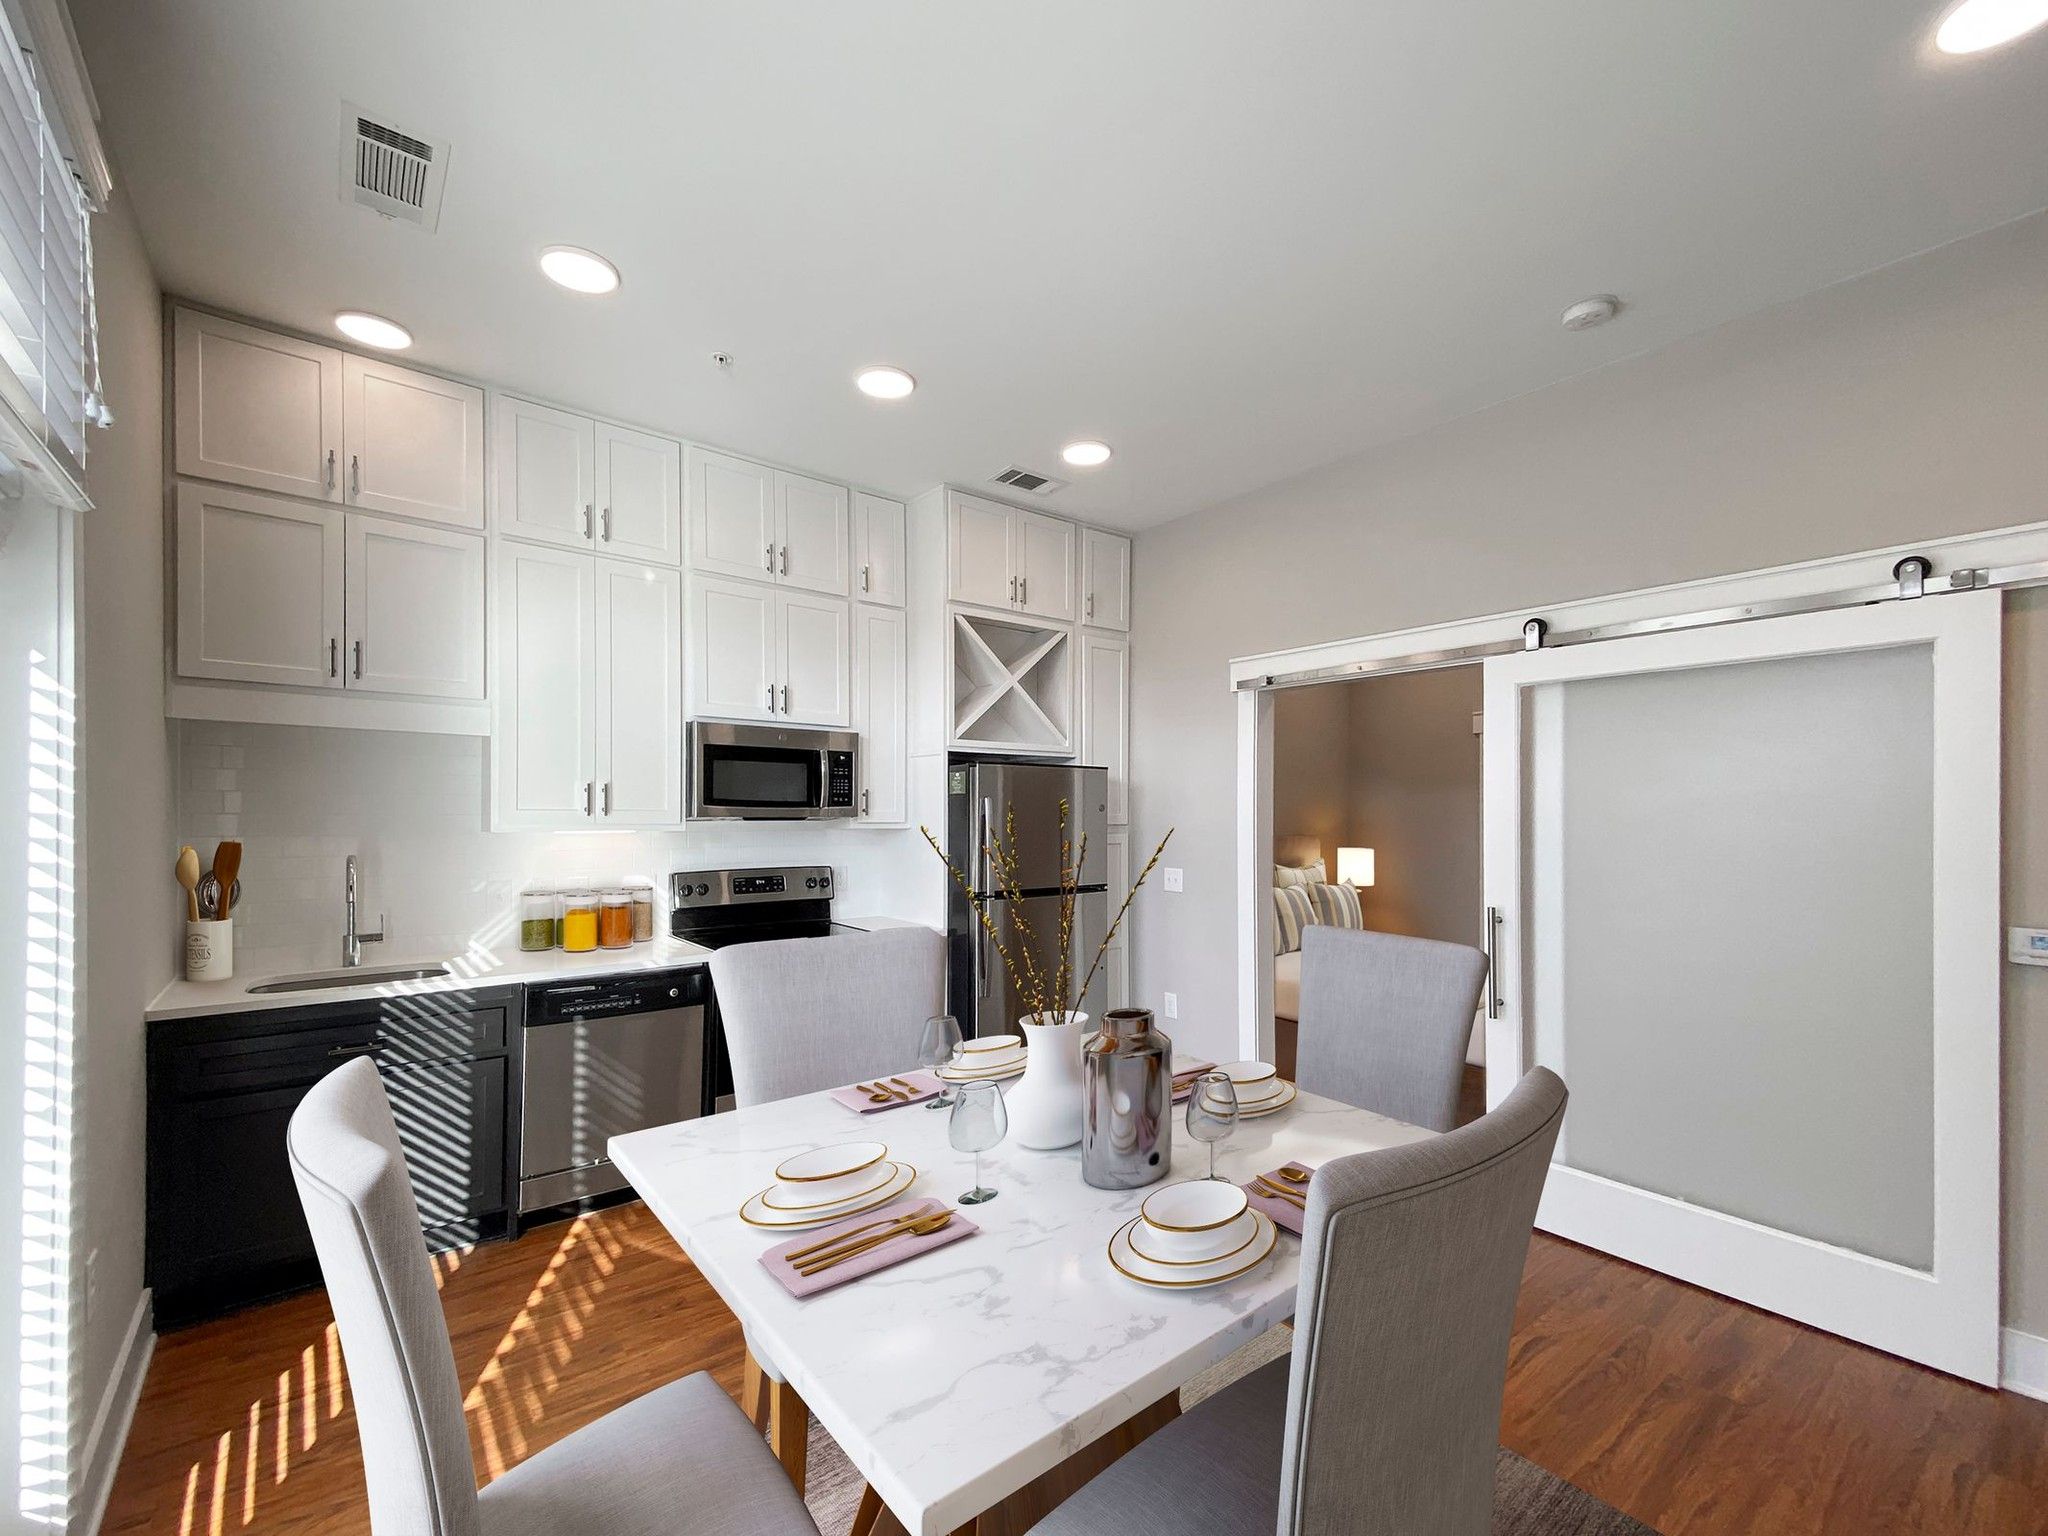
(1493, 997)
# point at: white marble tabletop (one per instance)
(954, 1379)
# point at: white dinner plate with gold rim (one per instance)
(794, 1197)
(991, 1075)
(1133, 1265)
(756, 1213)
(1252, 1110)
(1253, 1095)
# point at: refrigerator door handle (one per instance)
(982, 862)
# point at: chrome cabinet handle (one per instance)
(784, 571)
(771, 698)
(768, 560)
(607, 797)
(1013, 589)
(586, 520)
(863, 802)
(330, 469)
(359, 661)
(863, 578)
(590, 799)
(363, 1049)
(1091, 605)
(605, 525)
(333, 657)
(1024, 589)
(1493, 997)
(785, 698)
(355, 474)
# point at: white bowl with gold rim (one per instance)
(1196, 1220)
(982, 1046)
(1249, 1074)
(828, 1173)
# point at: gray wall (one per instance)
(1903, 405)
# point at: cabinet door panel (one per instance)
(544, 732)
(1045, 565)
(256, 409)
(1105, 717)
(880, 715)
(811, 528)
(730, 510)
(259, 588)
(414, 610)
(732, 649)
(979, 558)
(546, 473)
(639, 495)
(1105, 579)
(811, 647)
(415, 443)
(879, 555)
(639, 695)
(451, 1124)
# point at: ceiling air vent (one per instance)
(390, 171)
(1027, 480)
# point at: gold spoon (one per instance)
(1294, 1175)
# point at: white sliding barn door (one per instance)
(1746, 886)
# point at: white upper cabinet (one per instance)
(639, 692)
(731, 513)
(979, 569)
(546, 473)
(544, 731)
(811, 534)
(732, 649)
(881, 715)
(812, 649)
(1045, 566)
(259, 588)
(1106, 716)
(1105, 579)
(639, 495)
(413, 609)
(879, 555)
(256, 409)
(415, 443)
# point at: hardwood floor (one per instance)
(1689, 1412)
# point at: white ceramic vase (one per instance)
(1045, 1105)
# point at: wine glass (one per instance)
(936, 1043)
(979, 1122)
(1212, 1111)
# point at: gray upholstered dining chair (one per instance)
(805, 1014)
(680, 1460)
(1385, 1020)
(1386, 1418)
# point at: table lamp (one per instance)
(1354, 866)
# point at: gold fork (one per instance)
(1273, 1191)
(815, 1249)
(922, 1226)
(878, 1092)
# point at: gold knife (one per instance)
(923, 1226)
(839, 1237)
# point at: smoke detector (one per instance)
(391, 170)
(1587, 313)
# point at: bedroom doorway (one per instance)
(1378, 786)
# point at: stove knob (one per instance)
(811, 884)
(703, 889)
(824, 880)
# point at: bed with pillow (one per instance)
(1302, 895)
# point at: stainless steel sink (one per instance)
(355, 976)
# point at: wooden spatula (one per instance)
(227, 863)
(188, 877)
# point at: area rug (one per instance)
(1527, 1501)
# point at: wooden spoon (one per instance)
(227, 863)
(188, 877)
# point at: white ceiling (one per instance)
(1234, 240)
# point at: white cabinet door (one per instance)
(880, 715)
(259, 588)
(415, 443)
(1105, 579)
(730, 510)
(978, 553)
(639, 695)
(1045, 566)
(879, 556)
(811, 643)
(256, 409)
(413, 609)
(639, 495)
(811, 534)
(732, 649)
(546, 473)
(1106, 716)
(543, 740)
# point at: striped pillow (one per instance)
(1338, 906)
(1293, 910)
(1306, 874)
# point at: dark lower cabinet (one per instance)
(225, 1228)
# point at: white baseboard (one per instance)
(108, 1436)
(2023, 1364)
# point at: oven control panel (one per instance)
(692, 888)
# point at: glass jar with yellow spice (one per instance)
(615, 919)
(579, 921)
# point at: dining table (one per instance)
(975, 1384)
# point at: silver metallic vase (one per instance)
(1127, 1110)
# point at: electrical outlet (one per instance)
(1172, 877)
(1172, 1006)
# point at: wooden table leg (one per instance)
(789, 1430)
(1038, 1498)
(754, 1393)
(869, 1512)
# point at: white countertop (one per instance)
(479, 965)
(957, 1378)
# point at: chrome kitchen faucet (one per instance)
(352, 942)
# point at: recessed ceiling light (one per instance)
(373, 330)
(1587, 313)
(884, 383)
(1976, 25)
(578, 269)
(1085, 454)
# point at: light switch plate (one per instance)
(1172, 1005)
(1172, 877)
(2027, 946)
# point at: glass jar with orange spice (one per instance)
(615, 919)
(579, 921)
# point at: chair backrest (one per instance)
(806, 1014)
(1385, 1020)
(358, 1198)
(1411, 1260)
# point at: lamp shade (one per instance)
(1354, 866)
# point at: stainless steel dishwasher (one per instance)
(603, 1057)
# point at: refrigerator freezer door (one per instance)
(1032, 792)
(998, 1004)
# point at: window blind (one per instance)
(46, 322)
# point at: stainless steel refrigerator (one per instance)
(981, 796)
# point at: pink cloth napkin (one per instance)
(776, 1259)
(1285, 1213)
(926, 1085)
(1186, 1078)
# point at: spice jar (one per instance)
(615, 919)
(538, 928)
(643, 912)
(579, 921)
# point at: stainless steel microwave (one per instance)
(769, 772)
